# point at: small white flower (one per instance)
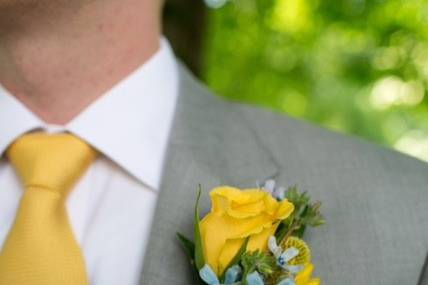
(283, 257)
(269, 186)
(276, 192)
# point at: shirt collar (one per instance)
(16, 119)
(130, 123)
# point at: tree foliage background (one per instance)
(354, 66)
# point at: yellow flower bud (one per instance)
(305, 276)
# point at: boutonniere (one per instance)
(254, 237)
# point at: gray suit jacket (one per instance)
(375, 200)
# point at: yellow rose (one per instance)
(235, 215)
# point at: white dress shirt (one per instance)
(112, 206)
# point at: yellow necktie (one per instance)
(40, 248)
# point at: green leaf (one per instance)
(237, 258)
(281, 231)
(199, 253)
(258, 260)
(305, 214)
(188, 245)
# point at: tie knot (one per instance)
(54, 162)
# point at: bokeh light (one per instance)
(355, 66)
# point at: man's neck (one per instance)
(58, 57)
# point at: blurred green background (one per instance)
(355, 66)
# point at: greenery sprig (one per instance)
(259, 261)
(305, 214)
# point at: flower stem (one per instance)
(295, 225)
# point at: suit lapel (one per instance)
(210, 145)
(423, 278)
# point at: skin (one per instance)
(58, 56)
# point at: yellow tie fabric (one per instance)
(40, 248)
